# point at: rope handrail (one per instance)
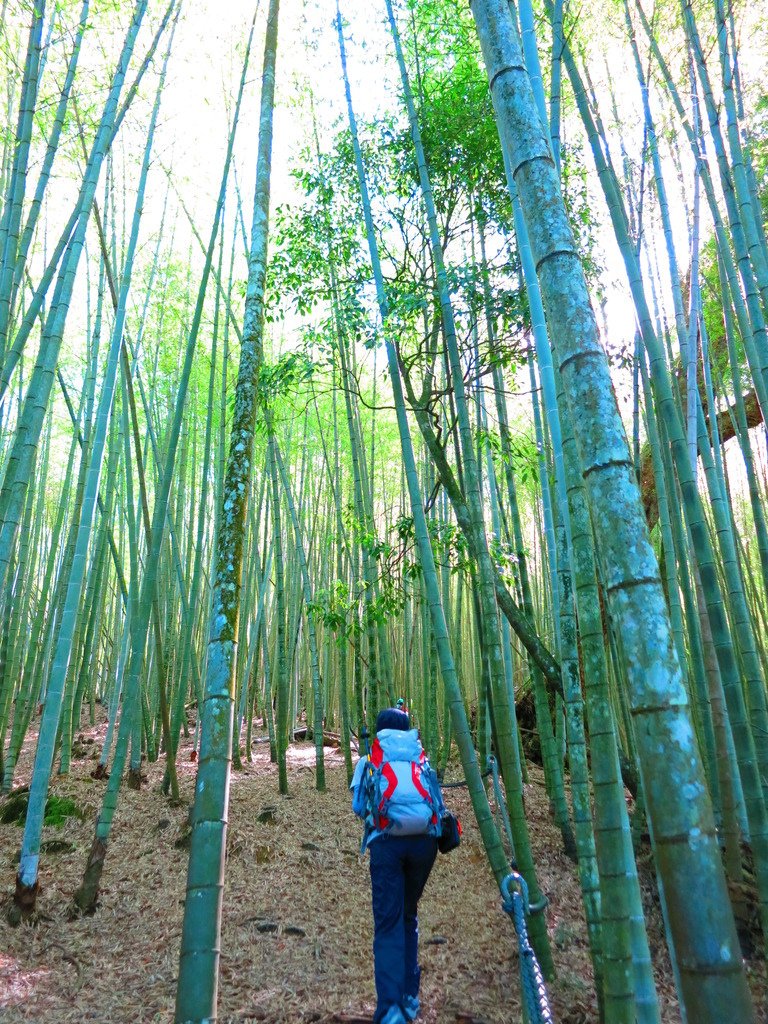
(501, 806)
(514, 892)
(463, 782)
(516, 903)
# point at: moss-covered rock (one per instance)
(57, 809)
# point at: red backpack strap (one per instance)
(378, 761)
(388, 772)
(377, 754)
(420, 787)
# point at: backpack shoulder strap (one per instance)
(377, 754)
(434, 784)
(367, 789)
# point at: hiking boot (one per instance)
(394, 1015)
(411, 1007)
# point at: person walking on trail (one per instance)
(396, 793)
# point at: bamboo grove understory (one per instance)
(467, 407)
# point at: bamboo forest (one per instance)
(383, 361)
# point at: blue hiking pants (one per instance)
(400, 867)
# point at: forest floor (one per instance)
(297, 924)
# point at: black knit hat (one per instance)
(393, 718)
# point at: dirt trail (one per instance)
(297, 923)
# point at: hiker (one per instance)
(396, 793)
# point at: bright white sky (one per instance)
(201, 88)
(205, 71)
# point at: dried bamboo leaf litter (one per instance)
(297, 924)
